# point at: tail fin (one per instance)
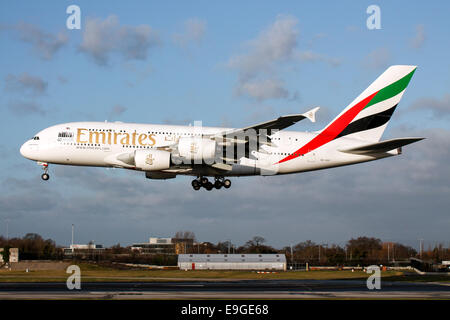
(367, 116)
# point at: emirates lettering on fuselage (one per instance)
(142, 139)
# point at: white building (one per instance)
(232, 262)
(163, 246)
(153, 240)
(13, 255)
(83, 248)
(155, 245)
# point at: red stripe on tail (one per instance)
(332, 131)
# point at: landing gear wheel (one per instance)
(217, 184)
(196, 184)
(45, 176)
(226, 183)
(203, 181)
(208, 186)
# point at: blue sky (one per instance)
(226, 64)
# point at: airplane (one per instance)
(165, 151)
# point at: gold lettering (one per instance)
(134, 138)
(79, 134)
(141, 138)
(126, 139)
(97, 135)
(153, 141)
(115, 137)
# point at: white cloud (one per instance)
(101, 38)
(194, 32)
(44, 43)
(311, 56)
(439, 108)
(25, 108)
(263, 89)
(419, 38)
(118, 110)
(275, 44)
(25, 83)
(62, 79)
(377, 59)
(272, 50)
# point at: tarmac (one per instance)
(238, 289)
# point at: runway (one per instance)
(239, 289)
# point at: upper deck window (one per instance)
(65, 134)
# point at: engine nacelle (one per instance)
(152, 160)
(197, 149)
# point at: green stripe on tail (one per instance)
(391, 90)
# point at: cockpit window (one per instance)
(65, 135)
(35, 138)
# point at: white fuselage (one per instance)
(99, 143)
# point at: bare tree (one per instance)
(256, 241)
(185, 235)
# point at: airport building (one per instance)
(163, 246)
(13, 255)
(76, 249)
(232, 262)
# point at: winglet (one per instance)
(311, 114)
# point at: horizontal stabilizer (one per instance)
(381, 147)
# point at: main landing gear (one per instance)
(45, 176)
(219, 182)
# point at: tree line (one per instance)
(32, 247)
(361, 250)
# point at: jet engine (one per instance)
(152, 160)
(197, 149)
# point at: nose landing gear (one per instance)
(45, 176)
(218, 183)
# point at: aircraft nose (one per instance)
(24, 150)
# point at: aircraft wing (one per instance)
(258, 133)
(381, 147)
(276, 124)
